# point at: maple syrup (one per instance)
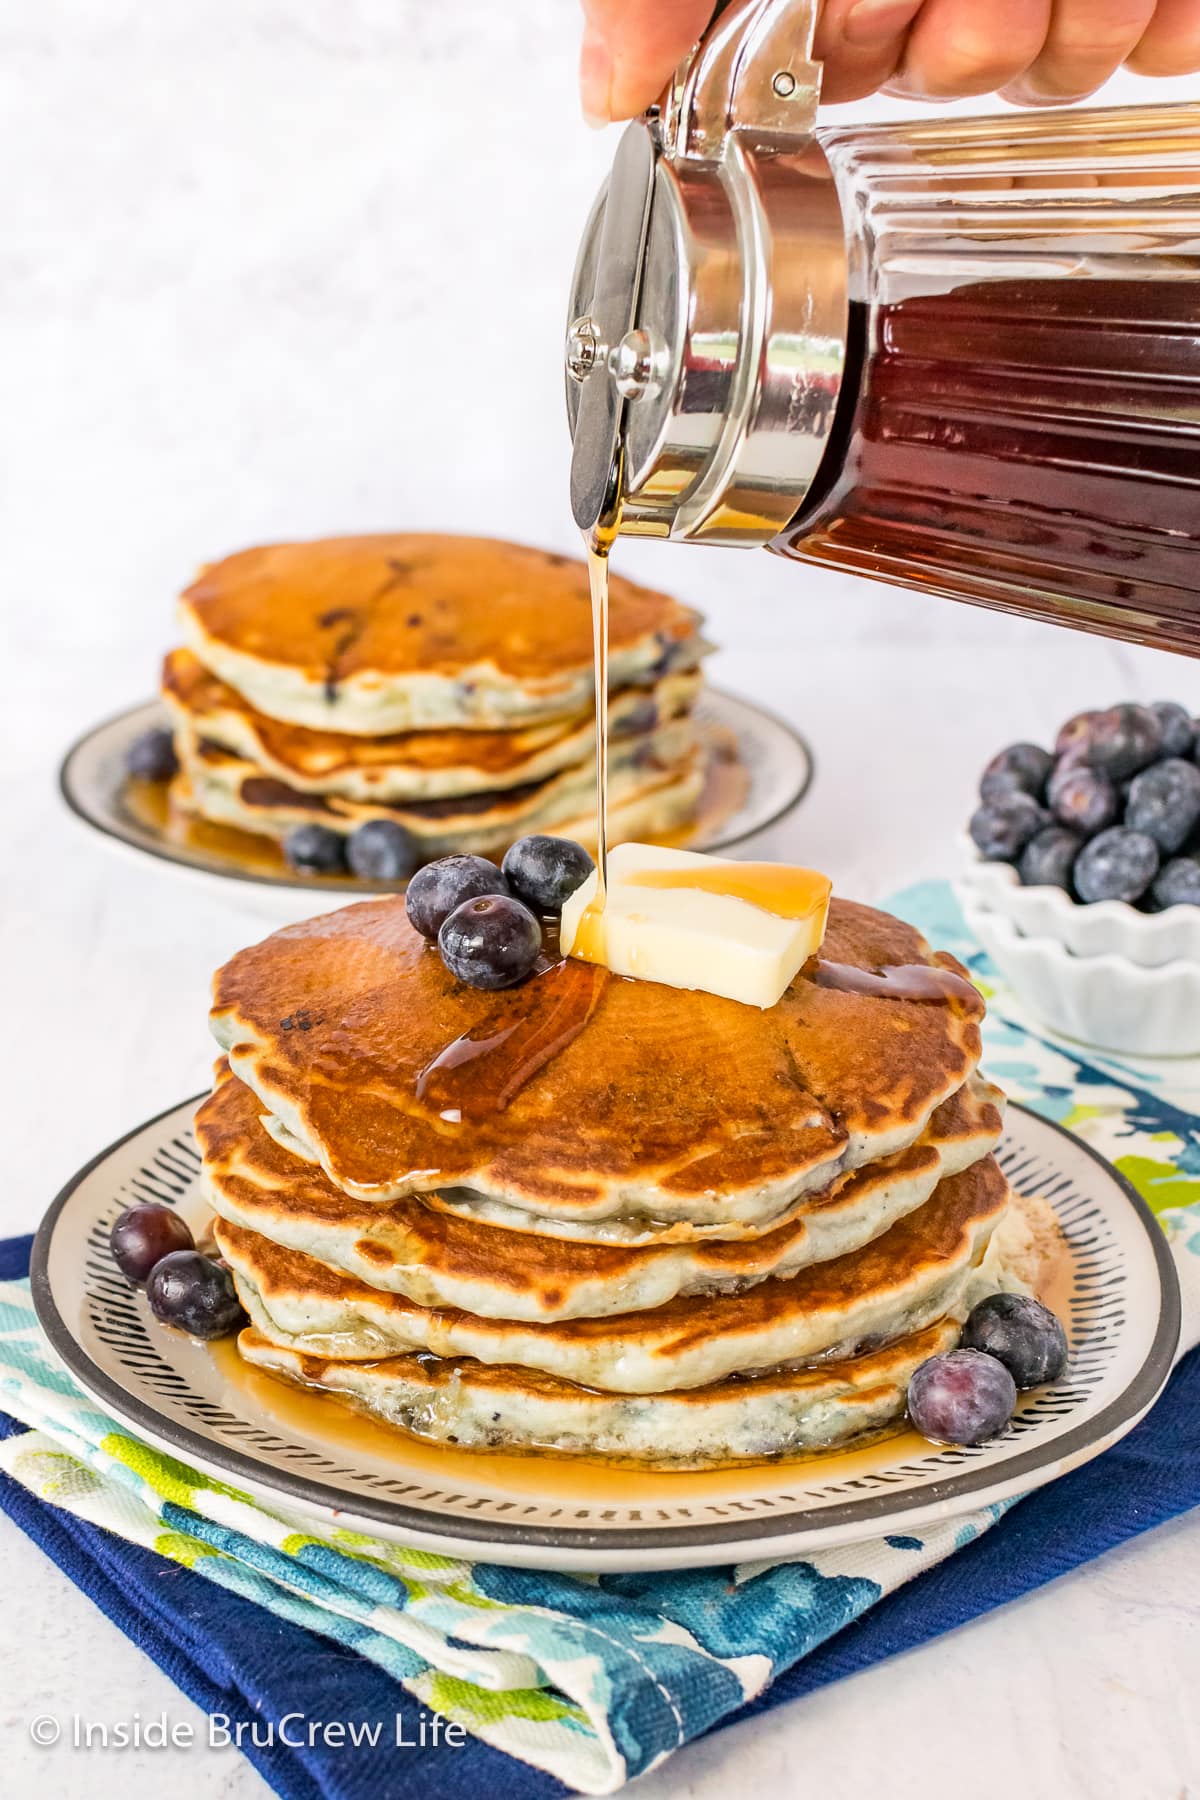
(774, 887)
(1024, 444)
(481, 1072)
(589, 939)
(921, 982)
(597, 561)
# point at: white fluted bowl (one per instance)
(1107, 1001)
(1102, 928)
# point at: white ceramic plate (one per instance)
(776, 759)
(1119, 1298)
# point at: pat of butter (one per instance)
(741, 930)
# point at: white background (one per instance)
(287, 267)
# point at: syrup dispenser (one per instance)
(960, 354)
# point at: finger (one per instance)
(1087, 42)
(1170, 44)
(861, 43)
(630, 48)
(962, 47)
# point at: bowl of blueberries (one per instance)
(1082, 877)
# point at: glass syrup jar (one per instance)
(958, 354)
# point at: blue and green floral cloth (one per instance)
(592, 1681)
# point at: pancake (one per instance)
(917, 1272)
(667, 1105)
(411, 765)
(964, 1128)
(231, 791)
(466, 1403)
(403, 632)
(441, 1259)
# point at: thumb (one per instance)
(630, 48)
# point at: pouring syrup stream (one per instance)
(598, 547)
(589, 937)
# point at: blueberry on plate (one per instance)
(1164, 802)
(961, 1397)
(382, 850)
(1048, 858)
(1177, 883)
(435, 891)
(1022, 1333)
(1002, 827)
(142, 1235)
(1123, 740)
(1118, 865)
(1083, 798)
(315, 850)
(1022, 768)
(195, 1294)
(151, 756)
(491, 942)
(1178, 730)
(545, 871)
(1073, 737)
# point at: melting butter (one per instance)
(740, 930)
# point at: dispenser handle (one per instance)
(752, 73)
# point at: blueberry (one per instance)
(545, 871)
(961, 1397)
(491, 942)
(151, 756)
(1075, 733)
(315, 850)
(195, 1294)
(1048, 858)
(1177, 883)
(143, 1235)
(1178, 731)
(381, 850)
(1083, 798)
(1164, 802)
(435, 891)
(1123, 740)
(640, 718)
(1002, 828)
(1118, 865)
(1022, 768)
(1022, 1334)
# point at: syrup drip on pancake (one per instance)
(484, 1069)
(920, 982)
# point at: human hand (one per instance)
(1035, 52)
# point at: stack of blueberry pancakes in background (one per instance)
(600, 1215)
(386, 700)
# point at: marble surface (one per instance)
(287, 268)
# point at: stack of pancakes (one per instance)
(444, 683)
(594, 1214)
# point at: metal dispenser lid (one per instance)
(709, 305)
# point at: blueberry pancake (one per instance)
(410, 631)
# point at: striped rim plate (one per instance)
(1120, 1294)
